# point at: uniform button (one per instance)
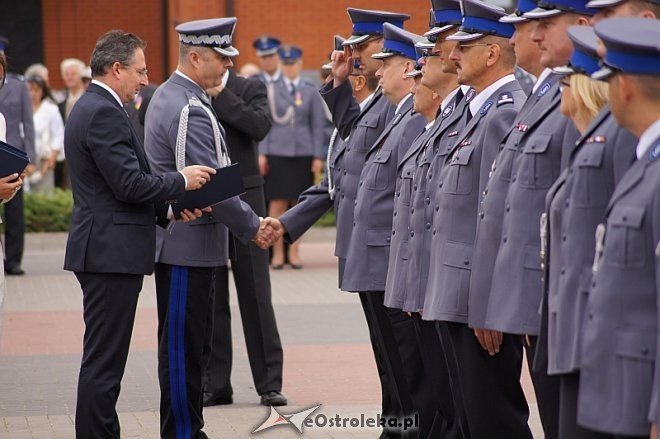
(593, 283)
(513, 178)
(338, 169)
(508, 207)
(388, 239)
(412, 233)
(567, 203)
(430, 175)
(563, 238)
(533, 146)
(395, 213)
(570, 170)
(428, 200)
(591, 316)
(412, 210)
(486, 191)
(434, 231)
(440, 183)
(393, 232)
(342, 195)
(563, 270)
(348, 149)
(344, 172)
(645, 351)
(415, 187)
(466, 261)
(355, 202)
(361, 181)
(437, 208)
(481, 215)
(504, 238)
(428, 226)
(624, 218)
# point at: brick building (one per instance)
(51, 30)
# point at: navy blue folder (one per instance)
(12, 160)
(224, 184)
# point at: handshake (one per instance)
(270, 231)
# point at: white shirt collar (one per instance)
(448, 99)
(542, 77)
(111, 91)
(647, 139)
(401, 102)
(480, 99)
(429, 125)
(366, 101)
(183, 75)
(295, 82)
(225, 78)
(273, 78)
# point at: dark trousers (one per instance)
(14, 231)
(546, 388)
(185, 320)
(390, 330)
(487, 387)
(440, 404)
(109, 305)
(262, 339)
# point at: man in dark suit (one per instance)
(16, 106)
(112, 239)
(242, 107)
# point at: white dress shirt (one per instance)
(647, 139)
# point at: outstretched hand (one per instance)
(270, 231)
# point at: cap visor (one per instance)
(383, 55)
(272, 51)
(413, 74)
(464, 36)
(603, 74)
(439, 30)
(226, 51)
(356, 39)
(513, 18)
(596, 4)
(538, 13)
(425, 44)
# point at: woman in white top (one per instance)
(49, 134)
(9, 184)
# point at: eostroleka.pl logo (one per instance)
(294, 419)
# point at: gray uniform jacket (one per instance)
(602, 156)
(528, 124)
(397, 269)
(304, 134)
(369, 246)
(363, 127)
(16, 106)
(454, 226)
(422, 207)
(203, 242)
(517, 290)
(620, 369)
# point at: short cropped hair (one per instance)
(114, 46)
(72, 62)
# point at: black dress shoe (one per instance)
(211, 400)
(273, 398)
(15, 271)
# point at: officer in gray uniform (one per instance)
(182, 129)
(465, 173)
(575, 205)
(619, 394)
(16, 106)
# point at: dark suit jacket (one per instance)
(112, 226)
(242, 109)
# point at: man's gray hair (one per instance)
(114, 46)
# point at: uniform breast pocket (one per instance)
(535, 169)
(625, 240)
(380, 175)
(504, 162)
(591, 183)
(459, 172)
(367, 124)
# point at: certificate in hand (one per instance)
(12, 160)
(225, 183)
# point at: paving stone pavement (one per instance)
(327, 357)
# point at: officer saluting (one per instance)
(620, 369)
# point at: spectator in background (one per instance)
(293, 149)
(16, 107)
(72, 70)
(248, 70)
(40, 70)
(49, 134)
(87, 77)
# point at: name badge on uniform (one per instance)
(522, 127)
(544, 89)
(452, 134)
(655, 152)
(447, 111)
(595, 139)
(397, 119)
(485, 108)
(505, 98)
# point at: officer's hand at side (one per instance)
(9, 185)
(489, 340)
(317, 166)
(654, 432)
(342, 63)
(197, 176)
(263, 164)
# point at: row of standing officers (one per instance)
(467, 215)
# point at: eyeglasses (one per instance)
(460, 47)
(141, 72)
